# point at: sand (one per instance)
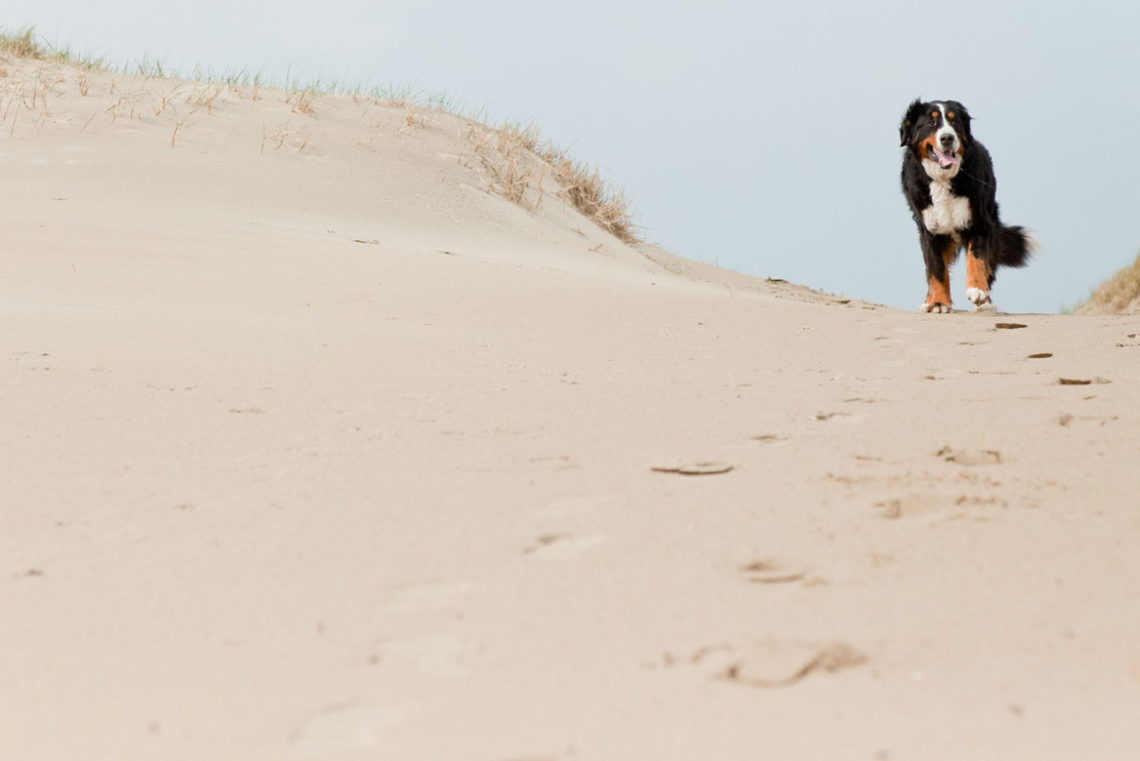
(312, 446)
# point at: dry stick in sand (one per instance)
(1082, 381)
(179, 126)
(167, 102)
(1074, 381)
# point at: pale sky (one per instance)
(762, 137)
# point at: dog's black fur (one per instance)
(926, 178)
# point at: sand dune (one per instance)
(315, 447)
(1120, 294)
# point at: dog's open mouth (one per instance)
(945, 160)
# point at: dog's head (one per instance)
(938, 132)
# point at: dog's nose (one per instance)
(947, 139)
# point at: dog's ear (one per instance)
(910, 118)
(963, 117)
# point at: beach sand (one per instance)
(312, 446)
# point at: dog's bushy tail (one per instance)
(1014, 246)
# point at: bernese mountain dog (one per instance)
(948, 180)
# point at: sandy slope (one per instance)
(272, 492)
(1120, 294)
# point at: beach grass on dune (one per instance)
(514, 156)
(1117, 294)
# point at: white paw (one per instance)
(936, 308)
(980, 298)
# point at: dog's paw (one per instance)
(937, 308)
(979, 298)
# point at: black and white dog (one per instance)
(948, 180)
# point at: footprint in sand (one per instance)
(563, 546)
(437, 655)
(840, 417)
(973, 506)
(771, 572)
(970, 457)
(770, 439)
(428, 596)
(346, 728)
(913, 505)
(770, 663)
(574, 506)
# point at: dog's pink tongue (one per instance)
(946, 160)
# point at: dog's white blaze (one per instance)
(933, 169)
(947, 212)
(946, 129)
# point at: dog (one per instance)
(948, 180)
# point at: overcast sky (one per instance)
(759, 136)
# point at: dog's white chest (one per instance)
(948, 213)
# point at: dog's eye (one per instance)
(933, 122)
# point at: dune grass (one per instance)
(518, 162)
(23, 44)
(1120, 293)
(26, 44)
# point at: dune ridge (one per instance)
(1120, 294)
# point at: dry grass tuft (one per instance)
(414, 119)
(205, 97)
(507, 154)
(519, 163)
(23, 44)
(587, 190)
(1120, 293)
(302, 101)
(282, 136)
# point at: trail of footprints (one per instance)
(356, 725)
(764, 663)
(565, 545)
(360, 725)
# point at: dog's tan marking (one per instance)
(977, 272)
(978, 276)
(938, 290)
(937, 296)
